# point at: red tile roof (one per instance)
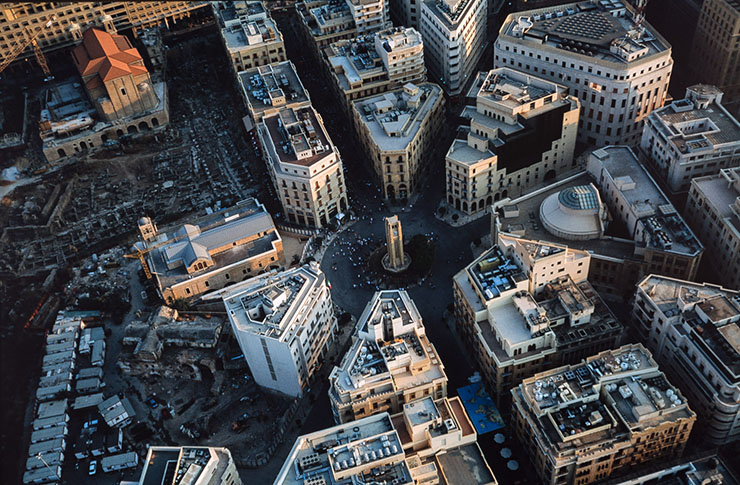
(108, 56)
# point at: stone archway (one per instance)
(489, 200)
(391, 191)
(549, 175)
(132, 129)
(465, 207)
(143, 126)
(155, 122)
(457, 204)
(83, 146)
(119, 133)
(61, 153)
(473, 206)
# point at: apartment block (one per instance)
(325, 22)
(199, 465)
(519, 131)
(74, 18)
(525, 306)
(713, 210)
(267, 89)
(370, 15)
(707, 467)
(285, 324)
(405, 12)
(375, 63)
(398, 130)
(690, 138)
(584, 422)
(619, 71)
(715, 50)
(454, 34)
(391, 361)
(250, 36)
(304, 165)
(211, 252)
(694, 331)
(430, 441)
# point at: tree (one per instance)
(181, 305)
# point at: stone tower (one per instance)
(395, 260)
(495, 226)
(147, 228)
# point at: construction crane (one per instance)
(31, 36)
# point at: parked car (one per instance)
(93, 468)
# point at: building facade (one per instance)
(690, 138)
(715, 51)
(304, 165)
(285, 325)
(200, 465)
(519, 132)
(584, 422)
(73, 19)
(398, 130)
(250, 36)
(429, 441)
(694, 331)
(454, 34)
(713, 210)
(391, 361)
(211, 252)
(525, 306)
(324, 22)
(375, 63)
(620, 72)
(370, 15)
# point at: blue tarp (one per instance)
(481, 409)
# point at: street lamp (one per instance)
(38, 455)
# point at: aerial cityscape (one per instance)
(379, 242)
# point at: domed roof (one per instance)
(579, 197)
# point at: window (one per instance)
(123, 92)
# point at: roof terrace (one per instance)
(274, 85)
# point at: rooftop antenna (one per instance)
(639, 17)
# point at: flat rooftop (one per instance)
(330, 16)
(493, 273)
(697, 130)
(251, 34)
(174, 465)
(664, 228)
(274, 85)
(298, 136)
(596, 31)
(393, 119)
(512, 89)
(269, 305)
(366, 449)
(722, 191)
(449, 12)
(356, 59)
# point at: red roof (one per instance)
(110, 56)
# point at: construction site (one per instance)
(57, 216)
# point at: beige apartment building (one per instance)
(267, 89)
(713, 212)
(325, 22)
(398, 130)
(375, 63)
(73, 18)
(620, 72)
(391, 361)
(521, 132)
(370, 15)
(694, 331)
(525, 306)
(715, 56)
(690, 138)
(211, 252)
(585, 422)
(250, 36)
(200, 464)
(429, 441)
(304, 165)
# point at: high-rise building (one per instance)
(522, 132)
(375, 63)
(73, 19)
(429, 441)
(694, 331)
(198, 465)
(304, 165)
(250, 36)
(398, 130)
(211, 252)
(285, 324)
(715, 56)
(690, 137)
(391, 361)
(584, 422)
(405, 12)
(525, 306)
(620, 71)
(454, 34)
(713, 212)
